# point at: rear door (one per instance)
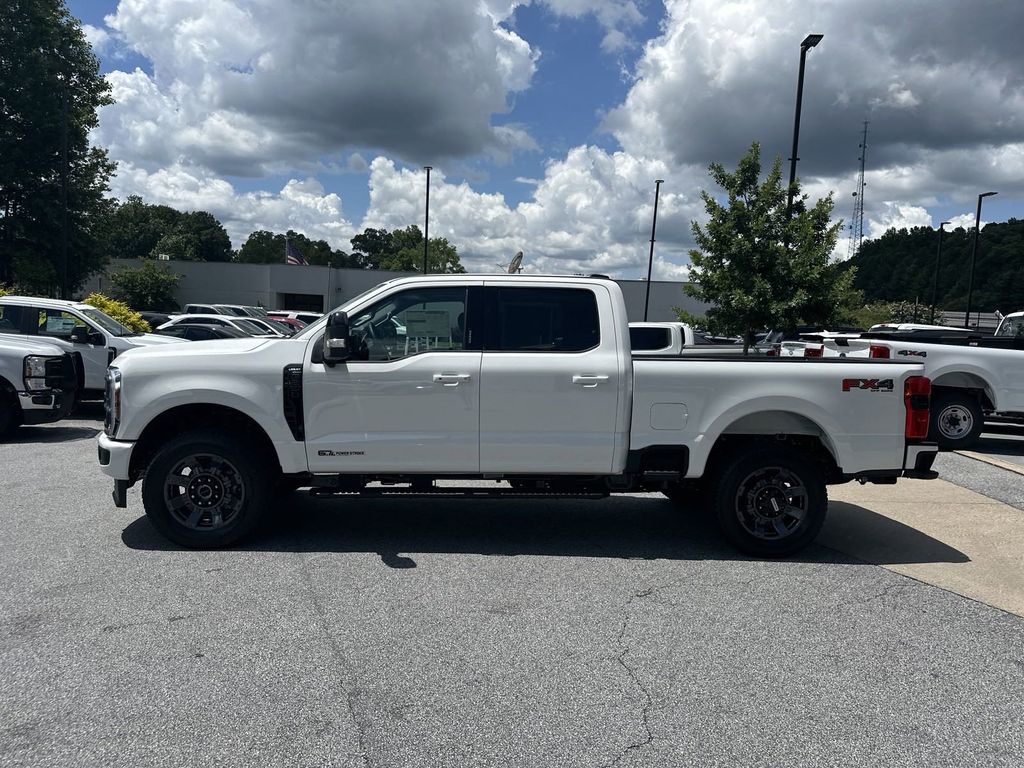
(549, 381)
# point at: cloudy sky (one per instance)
(547, 121)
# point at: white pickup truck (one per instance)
(77, 328)
(38, 383)
(673, 339)
(525, 379)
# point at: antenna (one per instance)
(857, 220)
(516, 265)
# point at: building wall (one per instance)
(265, 284)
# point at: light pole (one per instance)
(650, 259)
(809, 42)
(426, 221)
(974, 253)
(938, 260)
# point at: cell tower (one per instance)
(857, 220)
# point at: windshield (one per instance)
(1011, 326)
(250, 327)
(104, 321)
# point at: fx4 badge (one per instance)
(872, 385)
(340, 453)
(912, 353)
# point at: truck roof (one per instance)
(45, 303)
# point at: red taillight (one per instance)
(814, 351)
(917, 394)
(880, 351)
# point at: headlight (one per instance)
(35, 372)
(112, 402)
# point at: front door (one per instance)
(409, 399)
(58, 324)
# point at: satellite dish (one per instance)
(517, 264)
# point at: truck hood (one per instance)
(151, 340)
(23, 346)
(179, 355)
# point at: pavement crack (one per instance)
(341, 663)
(631, 673)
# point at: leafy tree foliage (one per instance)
(150, 287)
(47, 70)
(136, 230)
(119, 311)
(263, 247)
(401, 250)
(758, 267)
(900, 266)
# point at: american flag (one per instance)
(293, 255)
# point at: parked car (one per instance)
(294, 323)
(306, 317)
(536, 387)
(202, 309)
(280, 325)
(240, 310)
(673, 339)
(199, 332)
(76, 328)
(39, 382)
(155, 318)
(250, 326)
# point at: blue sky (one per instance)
(548, 121)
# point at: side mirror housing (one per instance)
(336, 342)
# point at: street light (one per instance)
(809, 42)
(974, 253)
(938, 260)
(426, 220)
(650, 259)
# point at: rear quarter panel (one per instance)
(862, 426)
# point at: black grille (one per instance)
(60, 373)
(293, 401)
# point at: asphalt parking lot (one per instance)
(454, 633)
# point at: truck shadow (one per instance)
(620, 527)
(54, 433)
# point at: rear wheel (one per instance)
(770, 502)
(205, 490)
(956, 419)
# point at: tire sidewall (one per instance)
(945, 400)
(257, 479)
(736, 472)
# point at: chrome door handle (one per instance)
(588, 380)
(451, 379)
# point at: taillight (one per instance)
(917, 394)
(814, 351)
(879, 351)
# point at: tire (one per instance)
(956, 419)
(10, 412)
(205, 490)
(770, 502)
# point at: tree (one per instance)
(263, 247)
(402, 251)
(50, 90)
(758, 268)
(150, 287)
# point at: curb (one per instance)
(1009, 466)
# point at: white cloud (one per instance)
(97, 37)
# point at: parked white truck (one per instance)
(674, 339)
(76, 328)
(525, 379)
(38, 383)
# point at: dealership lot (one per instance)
(454, 632)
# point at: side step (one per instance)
(455, 492)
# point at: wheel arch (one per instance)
(972, 380)
(182, 418)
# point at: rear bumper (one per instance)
(918, 461)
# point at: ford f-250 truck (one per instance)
(39, 383)
(518, 378)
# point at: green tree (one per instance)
(261, 247)
(150, 287)
(50, 90)
(131, 229)
(401, 250)
(758, 267)
(207, 237)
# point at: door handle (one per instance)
(451, 379)
(588, 380)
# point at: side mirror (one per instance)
(97, 339)
(336, 342)
(79, 335)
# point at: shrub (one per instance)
(149, 287)
(119, 311)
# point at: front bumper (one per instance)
(46, 406)
(115, 458)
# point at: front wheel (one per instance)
(204, 490)
(770, 502)
(956, 419)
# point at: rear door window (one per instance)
(542, 320)
(11, 318)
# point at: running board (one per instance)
(458, 493)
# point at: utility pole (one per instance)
(426, 221)
(809, 42)
(64, 234)
(938, 260)
(974, 253)
(650, 259)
